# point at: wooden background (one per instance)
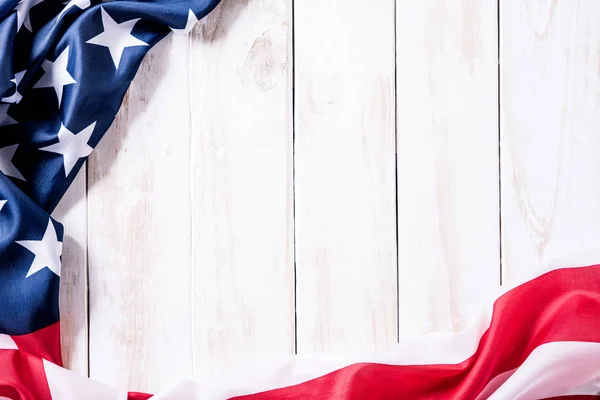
(332, 175)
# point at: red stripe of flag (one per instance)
(22, 376)
(44, 343)
(561, 305)
(138, 396)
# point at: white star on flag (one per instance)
(116, 36)
(47, 251)
(191, 21)
(72, 146)
(82, 4)
(22, 10)
(56, 75)
(5, 119)
(16, 96)
(2, 203)
(6, 165)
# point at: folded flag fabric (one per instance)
(64, 69)
(537, 340)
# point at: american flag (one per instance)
(64, 69)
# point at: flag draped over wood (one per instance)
(64, 69)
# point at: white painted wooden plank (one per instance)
(550, 97)
(243, 279)
(72, 213)
(139, 231)
(448, 212)
(345, 177)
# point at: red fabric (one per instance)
(22, 376)
(138, 396)
(562, 305)
(44, 343)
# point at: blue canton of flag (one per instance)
(63, 74)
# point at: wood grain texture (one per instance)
(242, 233)
(191, 213)
(345, 180)
(73, 305)
(139, 224)
(550, 97)
(448, 199)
